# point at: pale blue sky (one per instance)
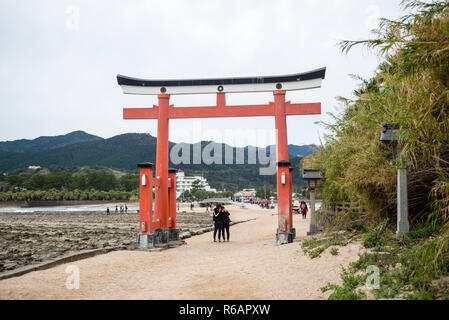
(58, 71)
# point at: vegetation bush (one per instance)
(410, 88)
(95, 185)
(54, 194)
(416, 270)
(374, 237)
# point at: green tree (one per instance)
(197, 185)
(265, 193)
(129, 182)
(16, 180)
(58, 180)
(37, 182)
(100, 180)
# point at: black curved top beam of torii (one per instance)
(298, 81)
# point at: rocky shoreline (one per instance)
(32, 238)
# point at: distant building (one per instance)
(34, 168)
(184, 183)
(245, 195)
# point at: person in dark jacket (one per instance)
(218, 223)
(226, 223)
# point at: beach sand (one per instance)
(250, 267)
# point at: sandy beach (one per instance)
(251, 266)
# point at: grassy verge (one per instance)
(314, 248)
(414, 266)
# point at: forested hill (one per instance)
(294, 150)
(120, 152)
(46, 143)
(124, 152)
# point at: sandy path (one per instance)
(250, 267)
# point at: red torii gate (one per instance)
(161, 227)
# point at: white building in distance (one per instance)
(184, 183)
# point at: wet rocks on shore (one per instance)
(32, 238)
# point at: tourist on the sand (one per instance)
(226, 223)
(304, 210)
(191, 206)
(218, 223)
(107, 211)
(126, 208)
(116, 209)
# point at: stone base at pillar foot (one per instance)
(145, 241)
(158, 237)
(284, 238)
(173, 235)
(293, 232)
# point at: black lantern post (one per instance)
(312, 177)
(390, 136)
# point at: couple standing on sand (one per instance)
(222, 222)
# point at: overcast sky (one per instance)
(59, 59)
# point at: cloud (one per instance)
(59, 59)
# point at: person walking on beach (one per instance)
(116, 209)
(226, 223)
(107, 211)
(304, 210)
(126, 208)
(218, 223)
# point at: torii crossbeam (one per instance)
(280, 109)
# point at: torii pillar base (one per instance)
(293, 232)
(285, 234)
(157, 237)
(157, 227)
(285, 237)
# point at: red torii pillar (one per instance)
(161, 200)
(293, 230)
(172, 199)
(280, 109)
(146, 198)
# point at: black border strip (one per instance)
(172, 309)
(315, 74)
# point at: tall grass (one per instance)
(411, 87)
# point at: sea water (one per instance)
(65, 209)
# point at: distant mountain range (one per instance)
(78, 150)
(46, 143)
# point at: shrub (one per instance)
(374, 237)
